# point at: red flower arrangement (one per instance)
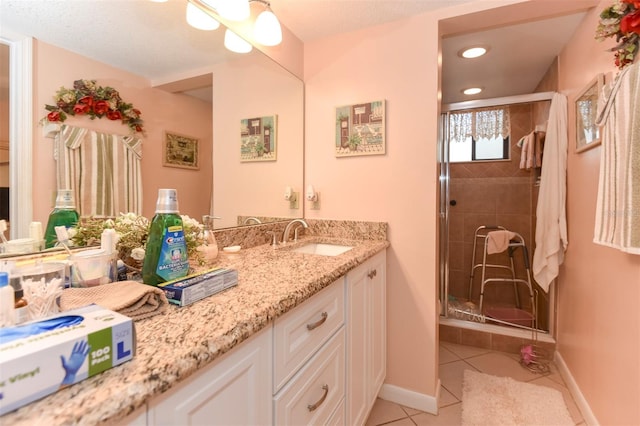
(622, 21)
(87, 98)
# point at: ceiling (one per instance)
(153, 40)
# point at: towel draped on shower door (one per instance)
(102, 169)
(618, 207)
(551, 222)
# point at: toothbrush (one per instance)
(3, 227)
(63, 237)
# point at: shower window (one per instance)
(479, 135)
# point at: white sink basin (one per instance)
(322, 249)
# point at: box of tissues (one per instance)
(40, 357)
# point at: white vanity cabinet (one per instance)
(234, 390)
(366, 336)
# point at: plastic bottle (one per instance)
(166, 256)
(63, 214)
(210, 247)
(6, 301)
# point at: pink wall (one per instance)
(251, 87)
(599, 287)
(398, 187)
(161, 111)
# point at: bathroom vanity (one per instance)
(276, 349)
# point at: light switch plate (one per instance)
(315, 205)
(293, 202)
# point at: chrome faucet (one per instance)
(251, 219)
(290, 225)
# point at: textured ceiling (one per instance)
(153, 40)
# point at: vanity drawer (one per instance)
(315, 394)
(303, 330)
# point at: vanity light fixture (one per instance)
(472, 91)
(235, 43)
(199, 19)
(266, 28)
(473, 52)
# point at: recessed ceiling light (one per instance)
(472, 91)
(473, 52)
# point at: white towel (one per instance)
(498, 241)
(617, 222)
(551, 223)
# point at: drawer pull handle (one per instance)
(318, 323)
(313, 407)
(372, 274)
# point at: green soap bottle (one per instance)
(166, 256)
(63, 214)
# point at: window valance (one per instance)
(479, 123)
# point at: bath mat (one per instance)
(491, 400)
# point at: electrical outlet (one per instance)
(315, 205)
(293, 202)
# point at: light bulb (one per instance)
(235, 43)
(267, 29)
(197, 18)
(234, 10)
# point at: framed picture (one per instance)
(360, 129)
(258, 138)
(180, 151)
(586, 111)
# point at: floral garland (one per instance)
(622, 21)
(87, 98)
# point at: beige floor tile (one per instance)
(568, 399)
(385, 412)
(451, 375)
(502, 365)
(446, 398)
(464, 352)
(447, 416)
(410, 411)
(445, 355)
(402, 422)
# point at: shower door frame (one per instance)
(444, 177)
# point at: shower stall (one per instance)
(486, 185)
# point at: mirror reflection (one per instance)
(207, 103)
(587, 129)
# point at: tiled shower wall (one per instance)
(493, 193)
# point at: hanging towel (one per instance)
(551, 222)
(526, 155)
(498, 241)
(103, 170)
(617, 222)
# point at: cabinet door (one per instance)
(378, 323)
(235, 390)
(357, 345)
(366, 336)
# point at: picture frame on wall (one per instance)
(588, 133)
(258, 138)
(180, 151)
(360, 129)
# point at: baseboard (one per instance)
(411, 399)
(578, 397)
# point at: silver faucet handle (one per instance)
(274, 238)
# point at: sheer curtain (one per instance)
(480, 123)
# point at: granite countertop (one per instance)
(171, 347)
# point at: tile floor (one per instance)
(454, 359)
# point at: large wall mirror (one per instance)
(234, 87)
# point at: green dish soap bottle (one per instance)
(166, 256)
(63, 214)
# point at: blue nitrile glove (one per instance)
(8, 334)
(76, 359)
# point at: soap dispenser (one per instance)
(209, 247)
(63, 214)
